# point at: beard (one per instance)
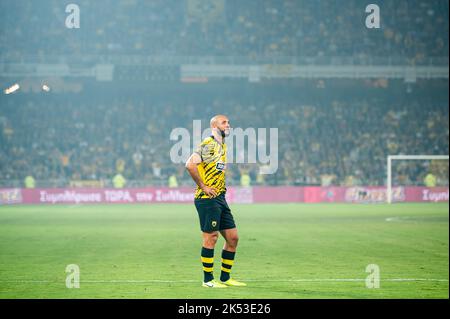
(224, 133)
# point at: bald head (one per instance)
(217, 120)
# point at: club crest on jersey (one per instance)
(214, 223)
(220, 166)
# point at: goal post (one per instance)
(391, 158)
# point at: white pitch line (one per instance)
(349, 280)
(248, 280)
(76, 205)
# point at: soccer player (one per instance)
(207, 168)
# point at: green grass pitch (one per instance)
(285, 251)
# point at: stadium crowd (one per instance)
(327, 141)
(415, 29)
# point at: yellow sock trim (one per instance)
(208, 260)
(225, 269)
(227, 262)
(208, 269)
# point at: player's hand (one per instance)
(210, 191)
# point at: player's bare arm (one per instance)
(191, 166)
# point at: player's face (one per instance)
(224, 125)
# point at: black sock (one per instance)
(227, 263)
(208, 263)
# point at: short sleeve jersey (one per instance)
(213, 165)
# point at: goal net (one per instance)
(415, 170)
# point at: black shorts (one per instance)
(214, 214)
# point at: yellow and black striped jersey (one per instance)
(213, 165)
